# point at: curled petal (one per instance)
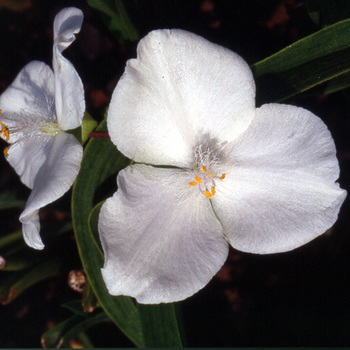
(54, 178)
(280, 192)
(161, 243)
(69, 91)
(180, 91)
(67, 23)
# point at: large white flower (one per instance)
(215, 170)
(36, 110)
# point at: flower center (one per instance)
(27, 127)
(205, 173)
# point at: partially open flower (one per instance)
(36, 110)
(215, 170)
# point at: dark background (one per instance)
(300, 298)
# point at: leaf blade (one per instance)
(160, 325)
(101, 160)
(304, 64)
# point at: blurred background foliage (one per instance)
(300, 298)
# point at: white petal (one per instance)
(28, 156)
(181, 90)
(280, 192)
(67, 23)
(31, 231)
(53, 180)
(30, 94)
(69, 91)
(161, 244)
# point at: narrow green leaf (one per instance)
(119, 20)
(339, 83)
(85, 324)
(74, 306)
(101, 160)
(16, 283)
(6, 284)
(10, 239)
(54, 337)
(84, 340)
(93, 224)
(309, 62)
(9, 200)
(89, 302)
(16, 258)
(69, 329)
(326, 12)
(160, 325)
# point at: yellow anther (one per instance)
(211, 175)
(222, 176)
(208, 194)
(192, 183)
(6, 153)
(4, 131)
(198, 179)
(204, 169)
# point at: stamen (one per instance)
(198, 179)
(6, 153)
(4, 131)
(205, 172)
(208, 194)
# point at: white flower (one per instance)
(36, 110)
(215, 170)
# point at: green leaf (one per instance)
(105, 6)
(74, 306)
(307, 63)
(89, 302)
(88, 125)
(339, 83)
(119, 21)
(9, 200)
(326, 12)
(15, 254)
(16, 258)
(10, 239)
(101, 160)
(12, 286)
(84, 341)
(69, 329)
(160, 325)
(93, 224)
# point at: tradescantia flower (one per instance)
(211, 170)
(37, 108)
